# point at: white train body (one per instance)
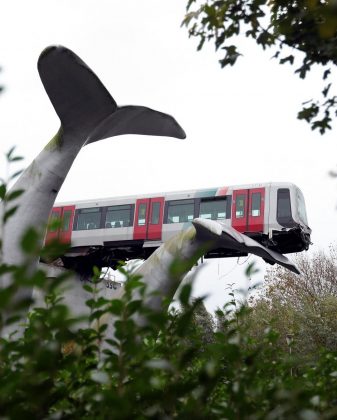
(111, 229)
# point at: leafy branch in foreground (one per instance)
(301, 33)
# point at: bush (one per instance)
(303, 306)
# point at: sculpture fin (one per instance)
(86, 108)
(78, 96)
(227, 237)
(134, 119)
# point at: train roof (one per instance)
(178, 195)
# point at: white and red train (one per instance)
(102, 232)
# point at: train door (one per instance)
(149, 218)
(248, 210)
(256, 210)
(63, 232)
(240, 210)
(53, 231)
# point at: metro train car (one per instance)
(104, 231)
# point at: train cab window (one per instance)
(256, 204)
(155, 213)
(215, 209)
(66, 220)
(180, 211)
(142, 215)
(301, 207)
(284, 216)
(88, 219)
(240, 204)
(118, 216)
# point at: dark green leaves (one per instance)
(2, 191)
(251, 270)
(8, 213)
(13, 195)
(230, 57)
(308, 27)
(11, 157)
(5, 196)
(172, 364)
(185, 294)
(308, 113)
(30, 241)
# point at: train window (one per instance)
(256, 204)
(66, 220)
(53, 225)
(142, 215)
(284, 216)
(301, 207)
(118, 216)
(214, 209)
(180, 211)
(240, 205)
(155, 213)
(88, 219)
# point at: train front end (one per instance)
(289, 231)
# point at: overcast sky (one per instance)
(240, 122)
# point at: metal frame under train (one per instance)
(105, 231)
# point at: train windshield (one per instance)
(301, 207)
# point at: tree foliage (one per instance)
(301, 33)
(303, 306)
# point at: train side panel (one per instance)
(271, 213)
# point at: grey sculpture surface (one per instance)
(88, 113)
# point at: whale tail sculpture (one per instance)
(85, 107)
(88, 113)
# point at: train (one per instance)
(105, 231)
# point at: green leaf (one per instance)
(13, 195)
(16, 174)
(289, 59)
(308, 113)
(96, 315)
(30, 240)
(10, 153)
(133, 306)
(88, 288)
(231, 56)
(16, 158)
(326, 74)
(251, 269)
(185, 293)
(9, 213)
(325, 91)
(116, 306)
(2, 191)
(302, 71)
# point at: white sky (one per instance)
(240, 122)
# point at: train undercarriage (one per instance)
(83, 259)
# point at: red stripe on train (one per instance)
(222, 191)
